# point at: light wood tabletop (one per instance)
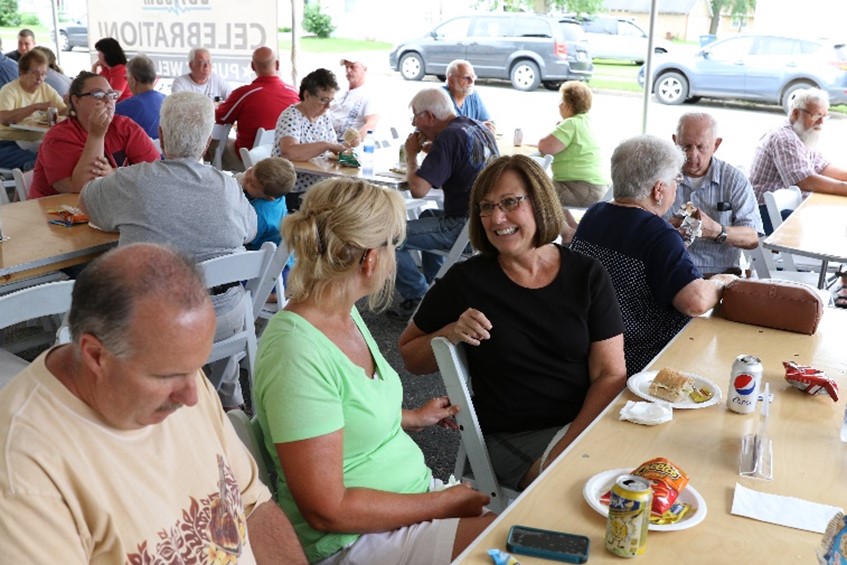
(809, 460)
(330, 168)
(35, 246)
(816, 229)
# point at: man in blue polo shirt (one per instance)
(145, 103)
(460, 86)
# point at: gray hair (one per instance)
(711, 123)
(451, 68)
(108, 290)
(639, 162)
(186, 119)
(803, 97)
(433, 100)
(142, 69)
(193, 53)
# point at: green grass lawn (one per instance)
(613, 75)
(333, 45)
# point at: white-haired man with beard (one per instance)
(460, 86)
(787, 156)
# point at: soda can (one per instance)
(629, 516)
(52, 115)
(745, 380)
(518, 141)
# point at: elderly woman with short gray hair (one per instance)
(657, 284)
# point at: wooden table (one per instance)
(809, 460)
(330, 168)
(816, 229)
(36, 247)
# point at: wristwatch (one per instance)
(721, 236)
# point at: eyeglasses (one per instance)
(508, 204)
(815, 117)
(415, 116)
(467, 78)
(325, 100)
(37, 74)
(100, 96)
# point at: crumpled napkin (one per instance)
(782, 510)
(647, 413)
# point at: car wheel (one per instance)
(693, 100)
(790, 91)
(671, 88)
(442, 78)
(525, 76)
(551, 84)
(412, 66)
(64, 42)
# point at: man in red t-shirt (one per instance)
(256, 105)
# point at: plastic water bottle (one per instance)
(368, 153)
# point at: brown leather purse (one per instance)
(778, 304)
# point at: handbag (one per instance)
(778, 304)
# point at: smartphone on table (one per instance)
(548, 544)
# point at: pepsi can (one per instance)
(745, 380)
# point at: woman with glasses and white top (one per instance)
(656, 282)
(543, 329)
(304, 130)
(91, 143)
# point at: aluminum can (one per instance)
(52, 115)
(745, 381)
(518, 141)
(629, 516)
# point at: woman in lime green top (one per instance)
(349, 477)
(580, 174)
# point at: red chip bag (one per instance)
(666, 479)
(810, 380)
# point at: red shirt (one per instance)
(117, 80)
(126, 143)
(256, 105)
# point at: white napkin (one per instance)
(647, 413)
(782, 510)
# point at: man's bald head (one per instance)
(108, 291)
(264, 62)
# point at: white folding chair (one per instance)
(21, 183)
(544, 161)
(458, 252)
(220, 133)
(252, 267)
(49, 299)
(252, 156)
(272, 280)
(762, 263)
(264, 137)
(250, 434)
(453, 367)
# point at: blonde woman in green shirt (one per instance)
(580, 173)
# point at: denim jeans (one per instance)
(12, 156)
(431, 231)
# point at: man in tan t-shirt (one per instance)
(116, 447)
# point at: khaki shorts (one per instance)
(579, 194)
(425, 543)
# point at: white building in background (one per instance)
(811, 18)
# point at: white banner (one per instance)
(166, 30)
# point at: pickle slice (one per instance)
(699, 395)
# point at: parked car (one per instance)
(526, 49)
(757, 68)
(72, 34)
(611, 37)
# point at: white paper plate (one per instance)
(601, 483)
(639, 384)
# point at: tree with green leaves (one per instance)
(9, 16)
(736, 8)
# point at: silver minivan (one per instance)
(525, 49)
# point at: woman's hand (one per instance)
(464, 501)
(472, 327)
(101, 168)
(336, 148)
(437, 411)
(99, 120)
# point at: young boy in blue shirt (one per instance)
(266, 183)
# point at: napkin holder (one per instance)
(782, 305)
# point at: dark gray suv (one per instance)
(526, 49)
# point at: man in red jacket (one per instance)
(255, 105)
